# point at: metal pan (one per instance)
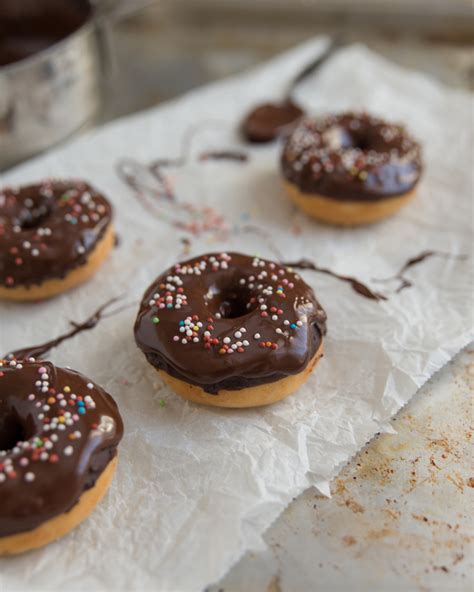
(47, 95)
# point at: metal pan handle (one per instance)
(106, 13)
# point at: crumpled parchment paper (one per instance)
(197, 487)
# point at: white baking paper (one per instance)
(197, 487)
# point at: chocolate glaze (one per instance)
(38, 351)
(351, 157)
(47, 229)
(44, 469)
(355, 284)
(232, 302)
(270, 120)
(30, 26)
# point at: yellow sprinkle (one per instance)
(67, 389)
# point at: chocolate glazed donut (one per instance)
(231, 330)
(58, 444)
(53, 236)
(350, 168)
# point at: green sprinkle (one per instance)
(155, 320)
(162, 403)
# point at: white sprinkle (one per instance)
(29, 477)
(257, 336)
(68, 450)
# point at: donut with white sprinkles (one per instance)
(351, 168)
(58, 451)
(231, 330)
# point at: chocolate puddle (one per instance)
(405, 282)
(265, 122)
(355, 284)
(37, 351)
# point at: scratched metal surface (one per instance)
(401, 513)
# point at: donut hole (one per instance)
(30, 219)
(231, 302)
(362, 142)
(12, 430)
(356, 139)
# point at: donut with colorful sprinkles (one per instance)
(53, 236)
(231, 330)
(351, 168)
(58, 451)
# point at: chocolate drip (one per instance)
(154, 189)
(405, 282)
(363, 289)
(38, 351)
(354, 283)
(224, 155)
